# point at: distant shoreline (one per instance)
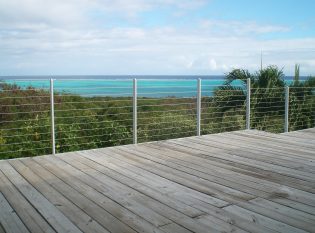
(122, 77)
(148, 86)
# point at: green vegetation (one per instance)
(302, 102)
(94, 122)
(268, 98)
(85, 122)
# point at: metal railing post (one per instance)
(286, 114)
(248, 105)
(134, 107)
(52, 117)
(198, 106)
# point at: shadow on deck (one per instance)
(244, 181)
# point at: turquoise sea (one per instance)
(114, 86)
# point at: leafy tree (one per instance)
(302, 102)
(267, 98)
(94, 122)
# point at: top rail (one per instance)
(139, 109)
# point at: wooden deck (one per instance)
(244, 181)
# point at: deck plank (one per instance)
(251, 185)
(212, 210)
(282, 138)
(1, 228)
(246, 161)
(269, 146)
(242, 147)
(194, 147)
(55, 218)
(241, 181)
(31, 218)
(308, 198)
(124, 176)
(149, 209)
(262, 220)
(182, 177)
(103, 209)
(70, 210)
(9, 219)
(236, 166)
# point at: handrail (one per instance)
(101, 113)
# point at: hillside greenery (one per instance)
(94, 122)
(268, 98)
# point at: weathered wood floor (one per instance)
(244, 181)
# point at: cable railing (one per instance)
(165, 109)
(56, 116)
(301, 101)
(268, 109)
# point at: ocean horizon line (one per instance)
(123, 77)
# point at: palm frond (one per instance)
(238, 75)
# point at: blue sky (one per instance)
(180, 37)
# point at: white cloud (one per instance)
(212, 64)
(153, 51)
(76, 13)
(59, 37)
(203, 63)
(38, 13)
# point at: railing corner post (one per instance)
(52, 116)
(248, 105)
(134, 107)
(286, 114)
(198, 106)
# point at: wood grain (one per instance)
(242, 181)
